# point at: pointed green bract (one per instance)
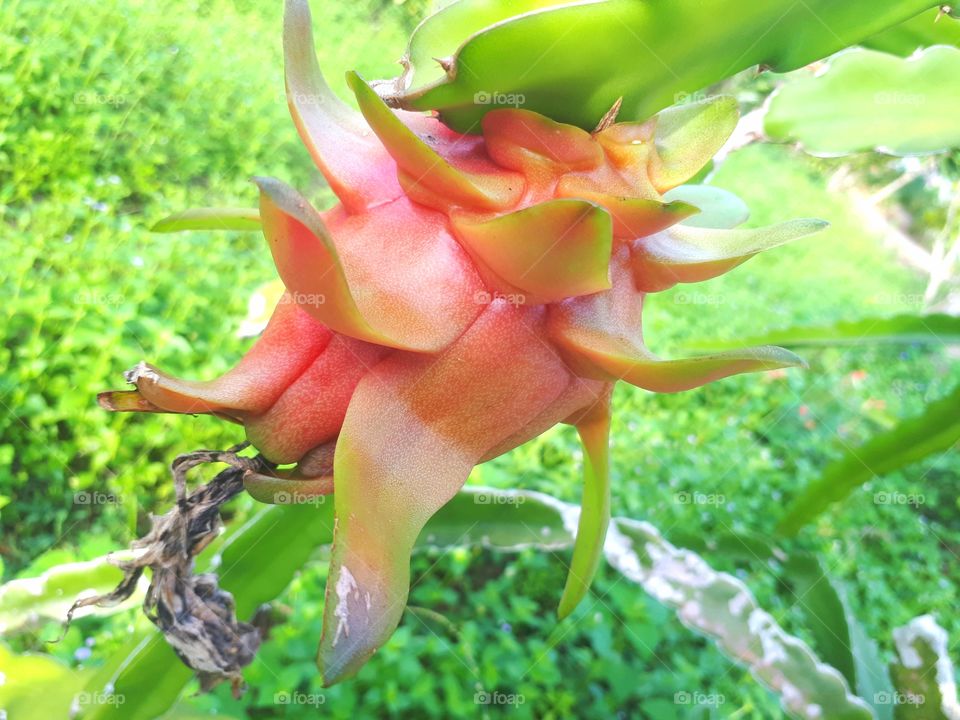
(594, 431)
(718, 208)
(318, 274)
(691, 254)
(549, 251)
(352, 161)
(242, 219)
(688, 136)
(420, 164)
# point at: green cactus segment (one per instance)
(548, 252)
(448, 27)
(600, 335)
(351, 159)
(572, 61)
(421, 168)
(925, 30)
(719, 208)
(688, 136)
(242, 219)
(594, 431)
(691, 254)
(868, 99)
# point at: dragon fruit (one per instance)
(467, 293)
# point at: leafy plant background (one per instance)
(114, 114)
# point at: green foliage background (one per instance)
(116, 113)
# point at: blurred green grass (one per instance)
(116, 113)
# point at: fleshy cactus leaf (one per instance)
(625, 362)
(594, 430)
(359, 170)
(691, 254)
(406, 447)
(242, 219)
(637, 217)
(601, 337)
(421, 167)
(933, 27)
(288, 346)
(519, 57)
(549, 251)
(403, 314)
(688, 136)
(718, 208)
(867, 100)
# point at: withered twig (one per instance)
(194, 614)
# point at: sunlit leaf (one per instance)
(572, 61)
(26, 601)
(934, 431)
(243, 219)
(901, 329)
(870, 100)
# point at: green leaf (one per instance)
(26, 601)
(572, 61)
(814, 593)
(923, 675)
(838, 636)
(37, 686)
(872, 100)
(719, 208)
(257, 561)
(507, 520)
(926, 29)
(901, 329)
(242, 219)
(936, 430)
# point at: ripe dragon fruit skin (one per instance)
(467, 293)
